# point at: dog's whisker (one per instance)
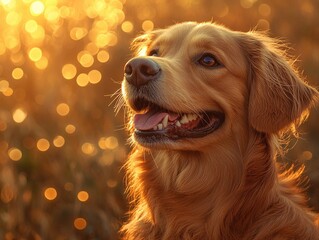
(115, 95)
(118, 91)
(120, 128)
(118, 101)
(119, 104)
(116, 81)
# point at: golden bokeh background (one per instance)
(61, 144)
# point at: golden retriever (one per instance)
(208, 111)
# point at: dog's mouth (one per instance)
(154, 122)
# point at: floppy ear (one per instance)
(140, 44)
(278, 96)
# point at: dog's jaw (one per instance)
(156, 125)
(185, 126)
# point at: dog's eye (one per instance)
(208, 60)
(153, 53)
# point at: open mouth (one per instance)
(156, 123)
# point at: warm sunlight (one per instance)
(62, 147)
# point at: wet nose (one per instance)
(140, 71)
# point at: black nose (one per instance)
(140, 71)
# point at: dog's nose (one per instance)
(140, 71)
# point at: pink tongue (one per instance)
(149, 120)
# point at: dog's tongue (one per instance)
(149, 120)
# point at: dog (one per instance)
(209, 111)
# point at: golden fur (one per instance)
(226, 185)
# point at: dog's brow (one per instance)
(161, 41)
(205, 41)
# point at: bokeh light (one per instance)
(3, 125)
(63, 109)
(127, 26)
(43, 144)
(13, 18)
(50, 193)
(70, 128)
(36, 8)
(35, 54)
(4, 85)
(103, 56)
(85, 59)
(88, 148)
(83, 196)
(78, 33)
(80, 223)
(8, 92)
(15, 154)
(306, 156)
(52, 14)
(95, 76)
(31, 26)
(17, 73)
(82, 79)
(247, 3)
(264, 10)
(92, 48)
(111, 183)
(147, 25)
(108, 142)
(42, 63)
(5, 2)
(69, 71)
(19, 115)
(61, 145)
(58, 141)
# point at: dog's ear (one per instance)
(278, 97)
(141, 43)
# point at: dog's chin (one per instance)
(165, 143)
(158, 127)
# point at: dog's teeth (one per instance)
(184, 119)
(160, 126)
(178, 124)
(165, 121)
(192, 117)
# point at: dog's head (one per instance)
(192, 85)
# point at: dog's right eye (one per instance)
(208, 60)
(154, 53)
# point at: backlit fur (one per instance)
(226, 185)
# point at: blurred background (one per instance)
(61, 144)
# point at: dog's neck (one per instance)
(175, 186)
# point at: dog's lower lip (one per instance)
(173, 132)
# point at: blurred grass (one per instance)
(60, 61)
